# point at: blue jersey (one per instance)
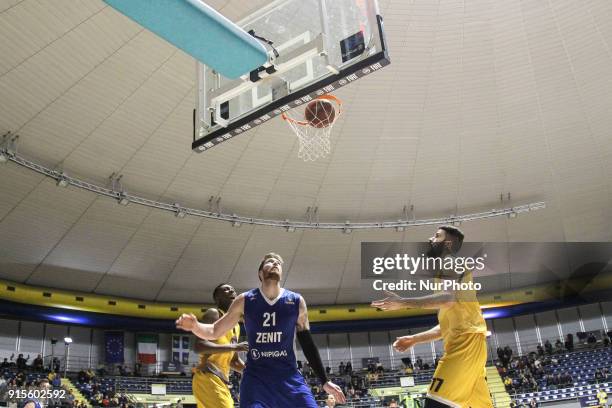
(271, 378)
(270, 328)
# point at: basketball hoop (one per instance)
(313, 128)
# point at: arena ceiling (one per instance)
(482, 98)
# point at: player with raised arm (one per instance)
(211, 379)
(460, 377)
(272, 317)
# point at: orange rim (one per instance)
(327, 97)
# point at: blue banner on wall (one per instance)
(113, 341)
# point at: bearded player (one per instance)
(273, 316)
(459, 379)
(211, 379)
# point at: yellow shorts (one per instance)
(460, 378)
(210, 392)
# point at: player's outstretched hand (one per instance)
(404, 343)
(336, 391)
(187, 322)
(243, 346)
(393, 301)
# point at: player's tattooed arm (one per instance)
(302, 321)
(189, 322)
(312, 353)
(395, 302)
(208, 347)
(405, 343)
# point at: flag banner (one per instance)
(113, 346)
(181, 348)
(147, 348)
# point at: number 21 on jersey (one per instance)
(269, 317)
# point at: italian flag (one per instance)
(147, 348)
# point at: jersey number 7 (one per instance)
(436, 383)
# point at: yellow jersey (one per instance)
(222, 361)
(462, 316)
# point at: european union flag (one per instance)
(114, 346)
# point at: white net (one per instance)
(313, 128)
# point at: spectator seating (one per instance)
(581, 366)
(563, 394)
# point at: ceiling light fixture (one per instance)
(4, 147)
(179, 211)
(123, 199)
(62, 180)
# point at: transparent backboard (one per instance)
(317, 47)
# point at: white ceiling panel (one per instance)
(486, 104)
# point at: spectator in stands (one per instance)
(565, 379)
(533, 384)
(341, 368)
(57, 381)
(508, 353)
(533, 403)
(569, 342)
(82, 377)
(22, 362)
(55, 365)
(20, 379)
(5, 363)
(602, 397)
(591, 339)
(349, 368)
(599, 376)
(537, 364)
(330, 401)
(558, 346)
(500, 354)
(351, 394)
(37, 364)
(3, 387)
(548, 347)
(540, 350)
(419, 363)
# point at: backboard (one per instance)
(318, 47)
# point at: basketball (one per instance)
(320, 113)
